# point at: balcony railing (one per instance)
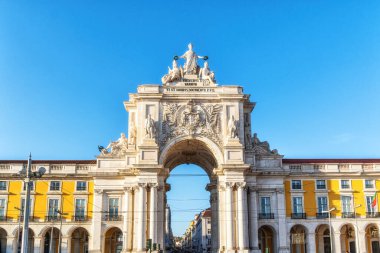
(298, 215)
(348, 215)
(112, 217)
(372, 214)
(266, 215)
(80, 218)
(321, 215)
(3, 218)
(52, 218)
(31, 218)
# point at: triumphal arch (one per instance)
(189, 118)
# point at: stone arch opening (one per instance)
(322, 238)
(372, 238)
(113, 240)
(79, 240)
(267, 240)
(50, 240)
(200, 154)
(18, 239)
(298, 239)
(3, 240)
(348, 238)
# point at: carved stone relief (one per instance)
(191, 119)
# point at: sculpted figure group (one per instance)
(115, 148)
(190, 67)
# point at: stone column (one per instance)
(126, 210)
(281, 214)
(141, 218)
(65, 244)
(96, 228)
(160, 216)
(39, 244)
(212, 188)
(242, 217)
(337, 243)
(221, 218)
(153, 213)
(230, 230)
(10, 241)
(254, 230)
(311, 242)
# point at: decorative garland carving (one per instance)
(191, 119)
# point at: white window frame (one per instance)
(349, 184)
(324, 196)
(366, 206)
(302, 200)
(6, 185)
(373, 184)
(31, 211)
(291, 184)
(76, 186)
(85, 207)
(31, 190)
(351, 203)
(270, 203)
(5, 205)
(119, 201)
(60, 186)
(47, 204)
(316, 185)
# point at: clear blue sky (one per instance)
(311, 66)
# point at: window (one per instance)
(23, 206)
(31, 183)
(345, 184)
(321, 184)
(81, 185)
(55, 185)
(296, 185)
(322, 204)
(80, 207)
(113, 207)
(265, 205)
(346, 204)
(3, 185)
(369, 184)
(370, 209)
(209, 231)
(2, 209)
(53, 207)
(297, 205)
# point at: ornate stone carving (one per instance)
(241, 185)
(191, 119)
(150, 128)
(206, 74)
(233, 127)
(191, 61)
(173, 75)
(230, 184)
(115, 148)
(132, 135)
(262, 147)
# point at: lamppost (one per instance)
(29, 175)
(330, 229)
(60, 229)
(357, 228)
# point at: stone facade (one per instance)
(192, 119)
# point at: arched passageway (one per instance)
(79, 241)
(18, 240)
(322, 238)
(347, 238)
(372, 238)
(267, 239)
(298, 235)
(50, 240)
(3, 240)
(113, 241)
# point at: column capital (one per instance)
(230, 184)
(128, 188)
(98, 191)
(241, 185)
(153, 185)
(279, 190)
(143, 185)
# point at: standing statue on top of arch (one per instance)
(191, 61)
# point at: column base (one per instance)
(254, 250)
(230, 251)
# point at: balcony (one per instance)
(372, 214)
(321, 215)
(79, 218)
(298, 216)
(112, 217)
(31, 218)
(266, 215)
(52, 218)
(348, 215)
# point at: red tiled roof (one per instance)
(331, 160)
(207, 213)
(51, 161)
